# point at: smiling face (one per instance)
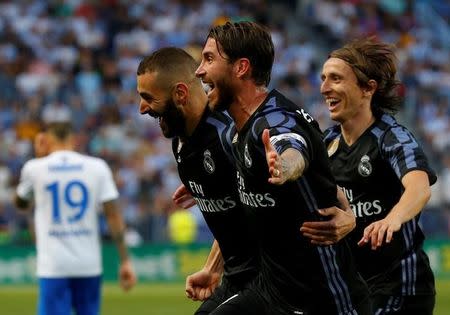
(344, 97)
(159, 104)
(216, 72)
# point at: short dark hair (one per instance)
(171, 63)
(374, 60)
(61, 130)
(247, 40)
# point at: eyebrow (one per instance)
(146, 95)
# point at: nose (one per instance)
(143, 107)
(324, 87)
(200, 72)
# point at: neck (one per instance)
(246, 103)
(61, 147)
(195, 112)
(353, 128)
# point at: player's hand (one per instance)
(277, 176)
(200, 285)
(183, 198)
(331, 231)
(379, 232)
(127, 276)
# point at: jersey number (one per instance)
(305, 115)
(75, 195)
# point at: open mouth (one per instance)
(332, 103)
(208, 87)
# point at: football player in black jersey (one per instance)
(384, 173)
(283, 177)
(170, 92)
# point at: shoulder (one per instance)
(219, 116)
(331, 133)
(221, 121)
(389, 132)
(35, 164)
(277, 112)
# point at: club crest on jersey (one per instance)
(208, 162)
(364, 167)
(247, 158)
(333, 146)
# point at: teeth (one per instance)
(206, 87)
(331, 100)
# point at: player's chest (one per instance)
(206, 165)
(360, 165)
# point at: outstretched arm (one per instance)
(415, 196)
(285, 167)
(200, 285)
(127, 277)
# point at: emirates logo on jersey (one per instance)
(247, 158)
(208, 162)
(364, 167)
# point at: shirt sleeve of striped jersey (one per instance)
(404, 153)
(284, 138)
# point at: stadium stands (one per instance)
(78, 60)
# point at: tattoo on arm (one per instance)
(292, 163)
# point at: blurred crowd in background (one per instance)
(77, 59)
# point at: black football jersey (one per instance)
(207, 171)
(294, 273)
(370, 172)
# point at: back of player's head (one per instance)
(373, 60)
(60, 130)
(171, 64)
(246, 40)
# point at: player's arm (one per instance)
(200, 285)
(340, 223)
(415, 196)
(23, 197)
(117, 230)
(283, 167)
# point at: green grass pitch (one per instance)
(148, 299)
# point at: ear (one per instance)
(242, 67)
(180, 93)
(371, 87)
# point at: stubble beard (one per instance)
(174, 121)
(225, 96)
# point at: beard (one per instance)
(172, 122)
(225, 96)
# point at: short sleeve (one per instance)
(25, 188)
(108, 188)
(404, 153)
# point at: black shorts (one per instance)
(223, 292)
(244, 302)
(403, 305)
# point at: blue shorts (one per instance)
(59, 296)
